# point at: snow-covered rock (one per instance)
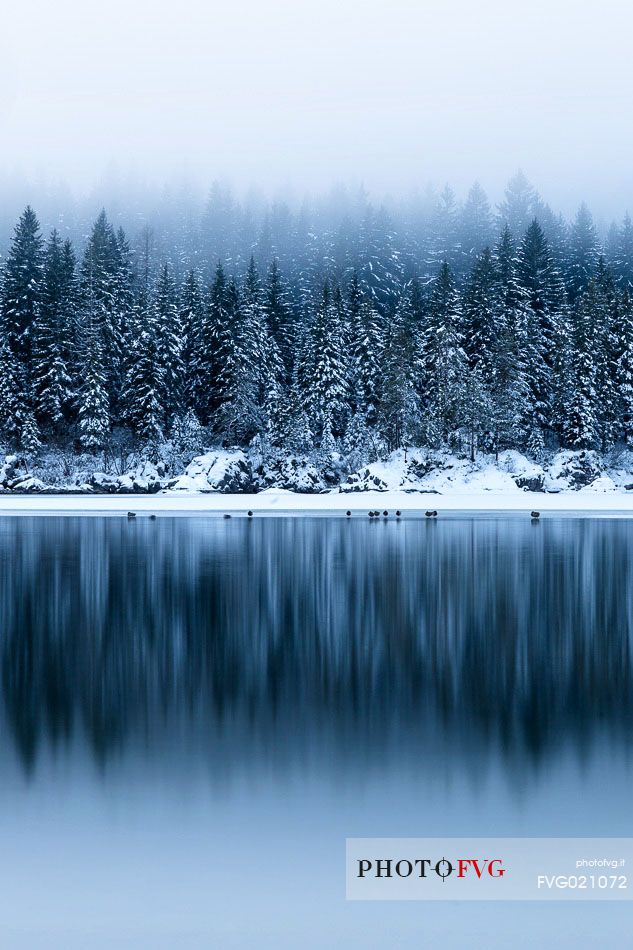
(227, 472)
(9, 470)
(145, 479)
(294, 473)
(452, 473)
(420, 471)
(573, 470)
(27, 484)
(601, 484)
(527, 475)
(364, 480)
(15, 477)
(399, 472)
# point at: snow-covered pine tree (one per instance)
(475, 228)
(547, 325)
(606, 349)
(229, 411)
(359, 442)
(125, 287)
(623, 262)
(556, 232)
(13, 405)
(399, 408)
(220, 222)
(515, 420)
(327, 396)
(491, 321)
(192, 313)
(367, 340)
(252, 385)
(379, 265)
(168, 327)
(215, 358)
(580, 423)
(476, 410)
(611, 245)
(144, 393)
(53, 334)
(280, 318)
(443, 361)
(21, 292)
(583, 253)
(328, 443)
(520, 206)
(187, 433)
(30, 440)
(624, 366)
(93, 411)
(482, 315)
(298, 437)
(103, 276)
(444, 243)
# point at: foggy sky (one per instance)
(392, 93)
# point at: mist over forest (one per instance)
(338, 332)
(161, 211)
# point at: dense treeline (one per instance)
(464, 328)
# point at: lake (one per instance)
(197, 712)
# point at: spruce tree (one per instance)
(580, 429)
(242, 411)
(475, 227)
(167, 326)
(104, 288)
(13, 405)
(328, 391)
(476, 409)
(583, 254)
(623, 262)
(443, 360)
(516, 420)
(547, 325)
(192, 313)
(606, 322)
(520, 205)
(399, 407)
(30, 440)
(482, 315)
(444, 244)
(93, 411)
(216, 355)
(280, 317)
(53, 334)
(379, 265)
(144, 392)
(624, 367)
(21, 290)
(366, 345)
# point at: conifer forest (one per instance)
(324, 328)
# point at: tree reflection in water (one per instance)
(285, 638)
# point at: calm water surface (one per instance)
(195, 713)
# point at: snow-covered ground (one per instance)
(230, 482)
(275, 502)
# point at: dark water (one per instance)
(196, 713)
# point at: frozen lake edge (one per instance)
(335, 504)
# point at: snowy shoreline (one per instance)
(227, 482)
(334, 504)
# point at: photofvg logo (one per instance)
(421, 867)
(489, 868)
